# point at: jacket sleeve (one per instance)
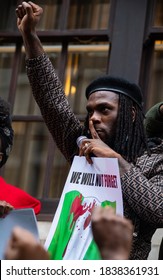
(142, 187)
(49, 95)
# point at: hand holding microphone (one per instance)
(80, 140)
(84, 148)
(94, 147)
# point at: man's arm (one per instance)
(46, 86)
(28, 15)
(142, 188)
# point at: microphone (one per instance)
(80, 140)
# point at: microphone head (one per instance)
(80, 139)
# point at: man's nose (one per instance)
(95, 117)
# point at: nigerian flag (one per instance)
(87, 186)
(72, 239)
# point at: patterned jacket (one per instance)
(142, 185)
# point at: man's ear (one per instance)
(133, 113)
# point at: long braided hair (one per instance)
(6, 131)
(130, 138)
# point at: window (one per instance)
(93, 14)
(7, 15)
(26, 164)
(85, 63)
(51, 15)
(6, 64)
(158, 18)
(156, 85)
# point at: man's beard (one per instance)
(110, 141)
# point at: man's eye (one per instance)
(105, 110)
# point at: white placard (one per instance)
(87, 186)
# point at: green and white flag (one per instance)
(87, 186)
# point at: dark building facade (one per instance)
(84, 39)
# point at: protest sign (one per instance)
(87, 186)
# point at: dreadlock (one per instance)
(130, 139)
(6, 131)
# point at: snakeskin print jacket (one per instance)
(142, 185)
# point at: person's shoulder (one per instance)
(155, 144)
(155, 153)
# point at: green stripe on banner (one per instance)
(66, 225)
(64, 228)
(93, 252)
